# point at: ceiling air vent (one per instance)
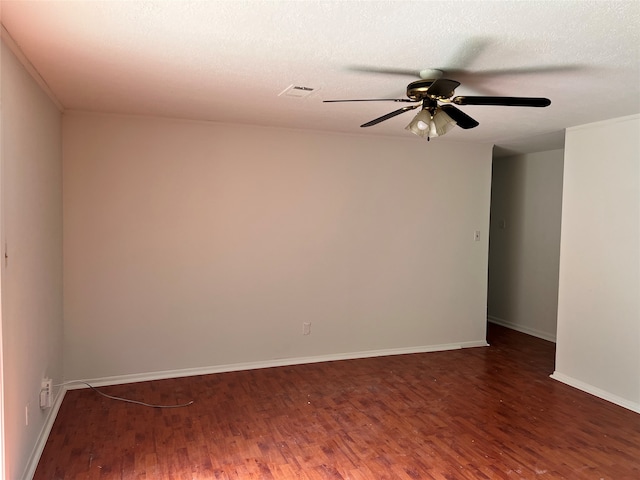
(297, 91)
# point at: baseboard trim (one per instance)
(598, 392)
(34, 458)
(519, 328)
(189, 372)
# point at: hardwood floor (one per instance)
(481, 413)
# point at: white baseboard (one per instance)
(598, 392)
(34, 458)
(188, 372)
(519, 328)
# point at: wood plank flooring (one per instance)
(481, 413)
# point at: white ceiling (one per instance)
(227, 61)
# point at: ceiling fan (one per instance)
(439, 113)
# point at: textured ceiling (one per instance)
(227, 61)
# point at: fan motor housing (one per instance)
(418, 90)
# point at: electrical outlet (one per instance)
(46, 392)
(306, 328)
(26, 415)
(476, 235)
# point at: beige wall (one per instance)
(193, 245)
(598, 346)
(524, 250)
(32, 276)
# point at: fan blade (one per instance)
(462, 119)
(372, 100)
(539, 69)
(503, 101)
(388, 116)
(442, 88)
(385, 70)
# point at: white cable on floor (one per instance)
(123, 399)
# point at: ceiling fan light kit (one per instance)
(439, 113)
(428, 125)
